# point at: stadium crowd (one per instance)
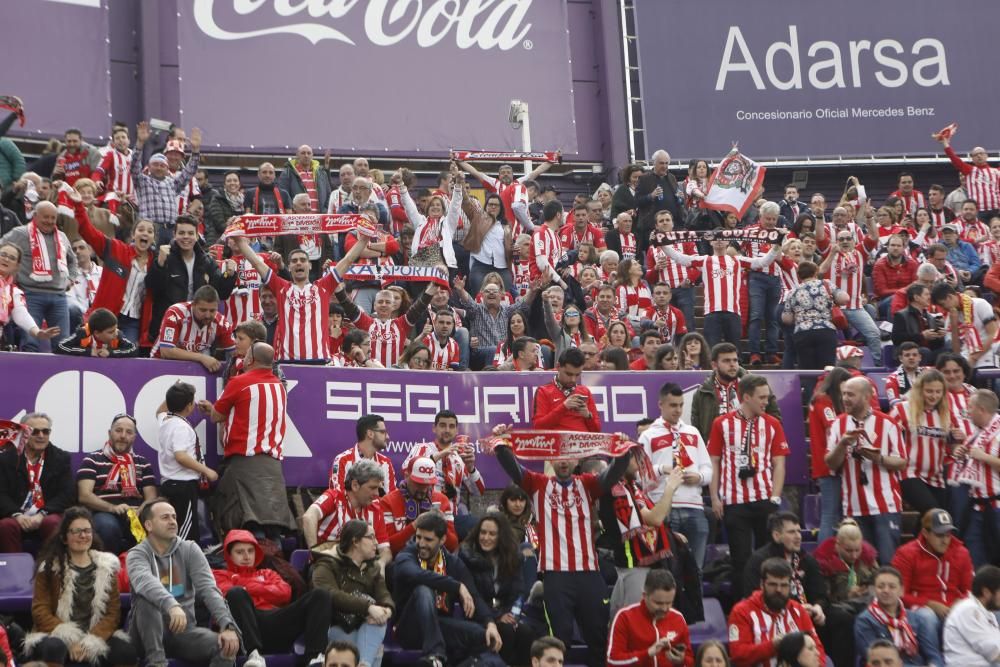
(128, 250)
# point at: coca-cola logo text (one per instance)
(486, 24)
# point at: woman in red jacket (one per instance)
(122, 289)
(826, 406)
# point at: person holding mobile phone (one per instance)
(651, 631)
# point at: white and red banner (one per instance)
(307, 224)
(559, 445)
(543, 156)
(734, 184)
(391, 273)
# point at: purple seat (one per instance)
(713, 627)
(299, 559)
(17, 574)
(714, 552)
(810, 511)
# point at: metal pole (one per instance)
(525, 136)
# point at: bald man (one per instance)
(45, 271)
(866, 447)
(251, 491)
(267, 198)
(304, 175)
(982, 182)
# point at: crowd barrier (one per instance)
(82, 395)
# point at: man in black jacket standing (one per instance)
(427, 582)
(36, 485)
(662, 185)
(181, 268)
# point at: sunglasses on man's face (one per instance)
(41, 431)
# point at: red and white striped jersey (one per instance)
(571, 240)
(508, 193)
(958, 405)
(243, 304)
(881, 493)
(989, 252)
(179, 330)
(335, 509)
(974, 232)
(338, 198)
(670, 321)
(788, 271)
(629, 246)
(547, 248)
(759, 249)
(723, 278)
(847, 272)
(898, 384)
(303, 317)
(983, 479)
(388, 338)
(634, 301)
(912, 201)
(521, 277)
(742, 443)
(673, 274)
(187, 194)
(941, 217)
(565, 520)
(254, 403)
(926, 444)
(116, 172)
(981, 183)
(450, 469)
(442, 355)
(343, 461)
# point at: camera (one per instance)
(746, 472)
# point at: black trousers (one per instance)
(815, 349)
(746, 527)
(53, 650)
(837, 634)
(580, 596)
(922, 496)
(183, 495)
(275, 630)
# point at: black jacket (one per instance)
(169, 284)
(265, 199)
(500, 593)
(58, 485)
(668, 202)
(407, 575)
(217, 214)
(79, 345)
(909, 324)
(814, 584)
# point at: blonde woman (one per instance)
(929, 430)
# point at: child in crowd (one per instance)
(99, 337)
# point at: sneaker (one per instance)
(255, 659)
(755, 360)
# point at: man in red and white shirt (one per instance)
(845, 267)
(252, 485)
(977, 467)
(723, 278)
(303, 306)
(572, 234)
(445, 353)
(511, 191)
(649, 342)
(388, 335)
(982, 182)
(661, 269)
(192, 330)
(325, 518)
(415, 496)
(867, 448)
(373, 437)
(454, 460)
(114, 174)
(912, 199)
(546, 246)
(757, 623)
(174, 152)
(668, 319)
(564, 507)
(243, 304)
(748, 450)
(652, 632)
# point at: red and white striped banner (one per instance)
(559, 445)
(305, 224)
(544, 156)
(392, 273)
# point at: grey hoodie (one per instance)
(177, 578)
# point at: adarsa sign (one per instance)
(485, 24)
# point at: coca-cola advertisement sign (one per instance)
(377, 75)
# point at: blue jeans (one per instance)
(882, 531)
(48, 309)
(980, 539)
(829, 505)
(462, 338)
(765, 291)
(481, 357)
(129, 326)
(368, 638)
(722, 326)
(683, 299)
(927, 627)
(884, 304)
(860, 319)
(692, 524)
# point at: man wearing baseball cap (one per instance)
(936, 569)
(415, 496)
(158, 190)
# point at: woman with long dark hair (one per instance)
(694, 353)
(824, 409)
(625, 198)
(712, 654)
(76, 608)
(798, 649)
(490, 552)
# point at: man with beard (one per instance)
(267, 198)
(414, 497)
(971, 633)
(428, 581)
(113, 482)
(651, 628)
(372, 438)
(195, 331)
(757, 623)
(977, 468)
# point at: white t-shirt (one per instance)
(190, 271)
(971, 635)
(176, 435)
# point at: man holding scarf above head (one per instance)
(114, 482)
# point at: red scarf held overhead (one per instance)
(41, 263)
(902, 634)
(121, 477)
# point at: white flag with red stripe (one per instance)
(734, 184)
